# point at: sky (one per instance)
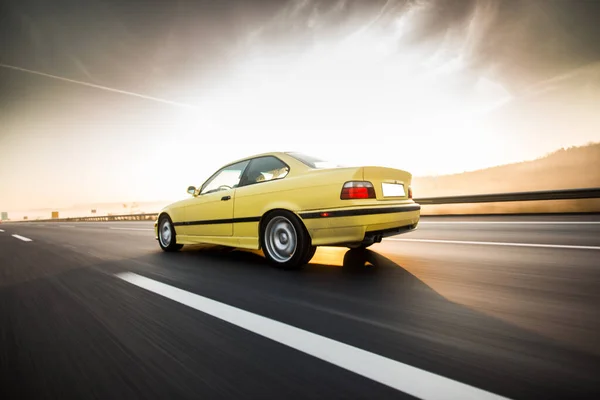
(104, 101)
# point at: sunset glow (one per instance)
(360, 91)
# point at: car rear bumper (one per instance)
(364, 225)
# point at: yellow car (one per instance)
(287, 204)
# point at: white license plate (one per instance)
(393, 190)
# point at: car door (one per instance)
(210, 212)
(256, 189)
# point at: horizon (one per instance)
(427, 88)
(73, 209)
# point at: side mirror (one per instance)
(191, 189)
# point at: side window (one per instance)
(264, 169)
(227, 178)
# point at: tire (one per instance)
(309, 254)
(285, 241)
(167, 239)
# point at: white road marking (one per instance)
(405, 378)
(514, 222)
(1, 230)
(67, 226)
(23, 238)
(132, 229)
(554, 246)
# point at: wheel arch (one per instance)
(261, 223)
(162, 214)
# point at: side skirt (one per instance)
(250, 243)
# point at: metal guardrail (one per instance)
(102, 218)
(567, 194)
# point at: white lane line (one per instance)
(1, 230)
(23, 238)
(554, 246)
(411, 380)
(513, 222)
(67, 226)
(132, 229)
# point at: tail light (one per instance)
(409, 192)
(357, 190)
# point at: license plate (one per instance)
(393, 190)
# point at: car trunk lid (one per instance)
(389, 183)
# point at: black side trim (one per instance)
(361, 211)
(308, 215)
(218, 221)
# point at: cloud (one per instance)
(518, 43)
(506, 78)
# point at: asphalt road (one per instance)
(461, 308)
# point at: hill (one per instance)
(571, 168)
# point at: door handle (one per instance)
(225, 198)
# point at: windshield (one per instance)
(314, 162)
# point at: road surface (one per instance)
(502, 307)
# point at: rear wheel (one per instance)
(284, 240)
(166, 235)
(310, 254)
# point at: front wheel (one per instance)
(166, 235)
(284, 240)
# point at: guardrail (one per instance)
(103, 218)
(567, 194)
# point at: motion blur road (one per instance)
(504, 306)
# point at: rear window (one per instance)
(313, 162)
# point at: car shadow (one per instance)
(369, 301)
(355, 261)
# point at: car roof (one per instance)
(280, 154)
